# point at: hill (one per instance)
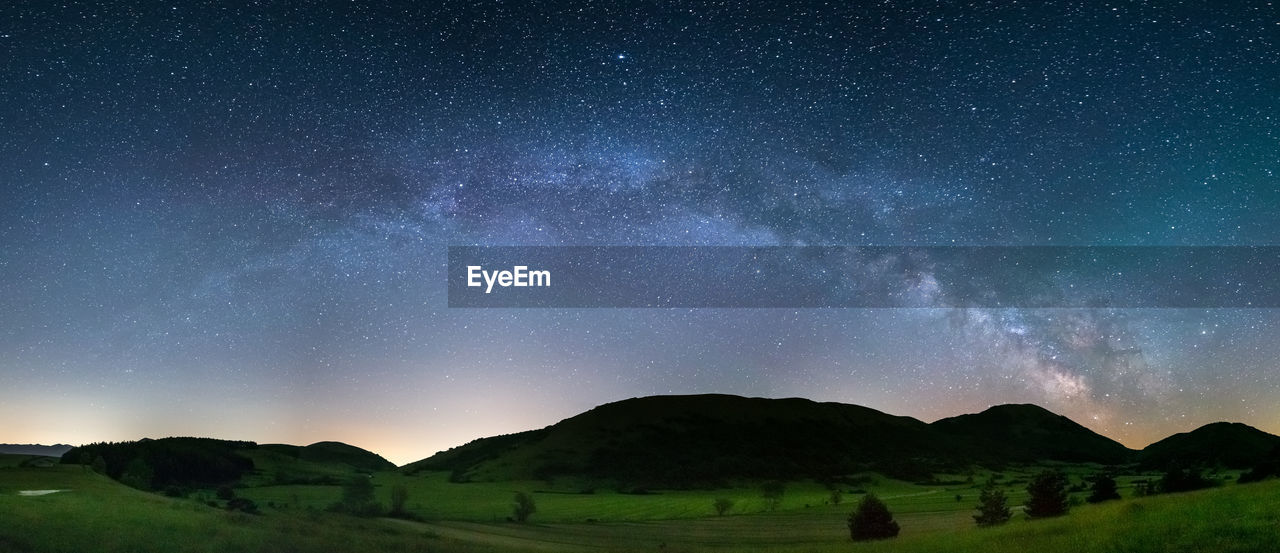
(55, 450)
(1025, 433)
(204, 462)
(1230, 444)
(334, 452)
(702, 440)
(697, 440)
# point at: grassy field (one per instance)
(98, 514)
(433, 497)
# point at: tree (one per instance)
(357, 496)
(772, 493)
(1104, 489)
(993, 507)
(399, 497)
(722, 505)
(872, 520)
(1048, 494)
(523, 507)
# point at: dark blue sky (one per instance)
(232, 221)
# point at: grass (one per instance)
(99, 514)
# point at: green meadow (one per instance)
(96, 513)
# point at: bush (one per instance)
(523, 507)
(872, 520)
(722, 505)
(772, 493)
(1104, 489)
(1048, 494)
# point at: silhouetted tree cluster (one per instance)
(1104, 489)
(159, 464)
(993, 507)
(1178, 479)
(1048, 492)
(872, 520)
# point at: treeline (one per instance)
(166, 463)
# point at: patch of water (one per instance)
(29, 493)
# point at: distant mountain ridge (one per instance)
(55, 450)
(696, 440)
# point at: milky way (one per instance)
(232, 221)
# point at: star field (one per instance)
(231, 220)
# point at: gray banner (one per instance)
(863, 276)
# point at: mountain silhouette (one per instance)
(706, 440)
(1230, 444)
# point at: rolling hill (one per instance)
(334, 452)
(1230, 444)
(700, 440)
(204, 462)
(1024, 433)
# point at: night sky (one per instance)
(233, 221)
